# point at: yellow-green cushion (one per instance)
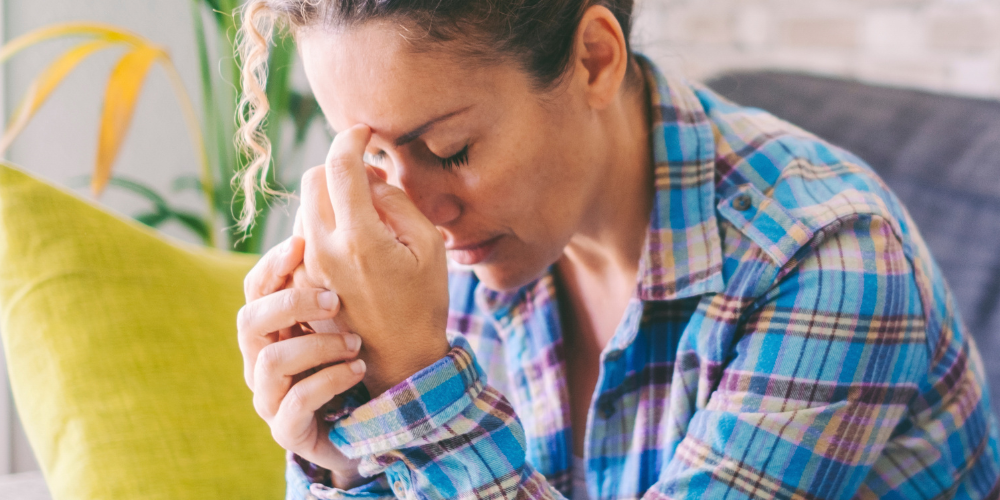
(122, 353)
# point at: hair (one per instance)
(536, 34)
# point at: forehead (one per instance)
(372, 75)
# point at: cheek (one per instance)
(506, 191)
(531, 180)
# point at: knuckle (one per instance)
(312, 177)
(270, 359)
(353, 246)
(333, 349)
(338, 162)
(291, 300)
(332, 378)
(295, 400)
(316, 343)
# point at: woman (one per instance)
(653, 292)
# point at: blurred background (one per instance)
(944, 46)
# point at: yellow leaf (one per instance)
(119, 104)
(100, 31)
(46, 82)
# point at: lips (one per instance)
(474, 253)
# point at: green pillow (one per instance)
(122, 353)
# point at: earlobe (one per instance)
(601, 55)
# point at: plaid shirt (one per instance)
(789, 337)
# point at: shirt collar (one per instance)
(683, 251)
(682, 254)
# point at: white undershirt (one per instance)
(579, 479)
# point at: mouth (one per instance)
(473, 253)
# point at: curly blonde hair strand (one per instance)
(253, 41)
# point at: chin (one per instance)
(508, 278)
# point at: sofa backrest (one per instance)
(941, 156)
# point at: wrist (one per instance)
(346, 480)
(388, 368)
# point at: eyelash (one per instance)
(456, 160)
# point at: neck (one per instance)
(608, 247)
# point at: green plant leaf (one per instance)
(193, 222)
(152, 219)
(142, 190)
(162, 211)
(212, 4)
(278, 89)
(303, 109)
(186, 182)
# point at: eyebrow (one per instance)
(421, 130)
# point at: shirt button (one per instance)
(742, 202)
(398, 487)
(613, 356)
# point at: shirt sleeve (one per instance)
(442, 433)
(307, 481)
(822, 373)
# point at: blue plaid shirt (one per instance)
(789, 337)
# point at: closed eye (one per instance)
(456, 160)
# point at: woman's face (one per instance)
(506, 174)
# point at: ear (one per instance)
(601, 55)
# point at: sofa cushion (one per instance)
(939, 154)
(122, 353)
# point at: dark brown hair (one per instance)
(537, 34)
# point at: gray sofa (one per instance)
(940, 154)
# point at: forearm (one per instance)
(442, 433)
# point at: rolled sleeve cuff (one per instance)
(301, 486)
(414, 407)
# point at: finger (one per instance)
(297, 229)
(347, 179)
(279, 362)
(272, 270)
(290, 332)
(315, 216)
(258, 321)
(294, 425)
(378, 172)
(400, 213)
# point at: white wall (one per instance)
(940, 45)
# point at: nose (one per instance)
(432, 194)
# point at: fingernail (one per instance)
(358, 366)
(326, 300)
(352, 341)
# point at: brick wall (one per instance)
(942, 45)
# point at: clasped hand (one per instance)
(365, 257)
